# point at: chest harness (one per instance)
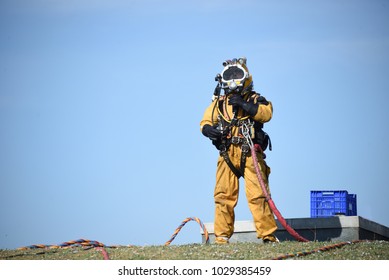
(226, 125)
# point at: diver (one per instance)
(240, 107)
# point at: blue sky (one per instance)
(100, 104)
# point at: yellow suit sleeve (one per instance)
(207, 117)
(264, 113)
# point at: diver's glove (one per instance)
(249, 107)
(211, 132)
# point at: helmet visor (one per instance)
(233, 73)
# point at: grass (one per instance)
(367, 250)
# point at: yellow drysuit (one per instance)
(227, 183)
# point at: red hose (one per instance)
(271, 202)
(102, 250)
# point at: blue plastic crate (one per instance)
(331, 203)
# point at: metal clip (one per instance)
(247, 135)
(236, 140)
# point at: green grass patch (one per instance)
(367, 250)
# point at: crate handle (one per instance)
(328, 193)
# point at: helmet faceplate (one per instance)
(235, 76)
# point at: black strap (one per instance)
(229, 163)
(238, 172)
(242, 163)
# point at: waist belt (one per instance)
(237, 140)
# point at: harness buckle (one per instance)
(245, 148)
(236, 140)
(222, 148)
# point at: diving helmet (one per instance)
(235, 77)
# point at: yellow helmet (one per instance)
(235, 76)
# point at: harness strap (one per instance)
(242, 162)
(238, 172)
(234, 170)
(223, 148)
